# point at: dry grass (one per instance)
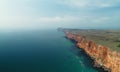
(109, 38)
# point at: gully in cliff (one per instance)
(103, 58)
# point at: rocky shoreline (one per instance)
(101, 55)
(98, 66)
(95, 64)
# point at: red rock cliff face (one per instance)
(101, 54)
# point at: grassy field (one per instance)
(109, 38)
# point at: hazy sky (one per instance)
(17, 14)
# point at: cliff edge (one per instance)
(103, 57)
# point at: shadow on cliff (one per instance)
(87, 61)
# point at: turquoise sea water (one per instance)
(41, 51)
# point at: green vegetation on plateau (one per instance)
(108, 38)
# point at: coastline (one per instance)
(97, 66)
(103, 58)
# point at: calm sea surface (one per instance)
(41, 51)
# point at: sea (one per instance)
(41, 51)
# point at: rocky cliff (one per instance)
(102, 56)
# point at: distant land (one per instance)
(103, 46)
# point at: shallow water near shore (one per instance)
(41, 51)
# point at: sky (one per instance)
(48, 14)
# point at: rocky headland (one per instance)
(102, 56)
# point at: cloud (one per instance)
(101, 19)
(58, 19)
(46, 19)
(54, 13)
(105, 5)
(9, 22)
(90, 3)
(15, 19)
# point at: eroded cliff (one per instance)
(102, 55)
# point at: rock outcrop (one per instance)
(103, 56)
